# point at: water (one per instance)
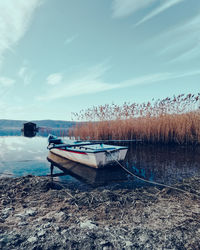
(20, 156)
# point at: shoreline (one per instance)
(36, 213)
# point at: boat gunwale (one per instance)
(95, 151)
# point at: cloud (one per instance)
(76, 88)
(6, 82)
(15, 19)
(159, 77)
(92, 82)
(187, 54)
(178, 45)
(8, 110)
(22, 72)
(54, 79)
(70, 39)
(86, 83)
(6, 86)
(163, 7)
(25, 74)
(123, 8)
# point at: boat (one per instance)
(85, 174)
(92, 154)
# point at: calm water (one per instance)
(20, 156)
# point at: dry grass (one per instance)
(171, 120)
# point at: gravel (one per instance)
(36, 213)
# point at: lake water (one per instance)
(20, 156)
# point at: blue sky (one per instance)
(58, 57)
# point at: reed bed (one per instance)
(170, 120)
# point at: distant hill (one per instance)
(13, 127)
(41, 123)
(10, 123)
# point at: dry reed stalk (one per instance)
(171, 120)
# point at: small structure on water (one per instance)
(29, 129)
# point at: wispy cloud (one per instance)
(15, 18)
(26, 74)
(54, 79)
(69, 40)
(183, 41)
(6, 82)
(159, 77)
(8, 110)
(6, 85)
(92, 82)
(86, 83)
(163, 7)
(123, 8)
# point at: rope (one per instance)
(153, 182)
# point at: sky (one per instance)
(59, 57)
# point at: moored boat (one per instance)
(93, 176)
(93, 154)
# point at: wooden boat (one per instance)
(93, 154)
(86, 174)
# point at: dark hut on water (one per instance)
(29, 129)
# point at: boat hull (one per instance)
(92, 159)
(86, 174)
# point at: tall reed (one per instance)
(170, 120)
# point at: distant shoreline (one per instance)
(13, 127)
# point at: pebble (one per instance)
(41, 233)
(88, 224)
(46, 226)
(32, 239)
(6, 213)
(30, 212)
(63, 231)
(128, 243)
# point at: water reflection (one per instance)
(22, 155)
(92, 176)
(165, 164)
(29, 133)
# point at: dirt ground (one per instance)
(36, 213)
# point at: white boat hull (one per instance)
(92, 159)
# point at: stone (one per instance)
(88, 224)
(63, 231)
(30, 212)
(96, 219)
(41, 233)
(6, 213)
(32, 239)
(47, 225)
(128, 243)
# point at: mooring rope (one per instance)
(153, 182)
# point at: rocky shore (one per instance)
(36, 213)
